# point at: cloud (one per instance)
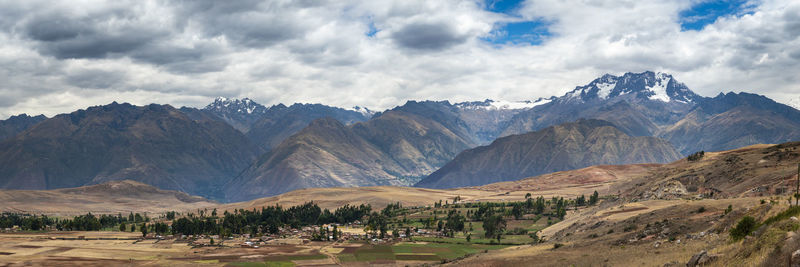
(428, 36)
(58, 56)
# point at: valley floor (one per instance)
(647, 233)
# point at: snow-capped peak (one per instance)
(656, 86)
(489, 104)
(659, 87)
(363, 110)
(233, 105)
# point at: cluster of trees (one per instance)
(326, 234)
(25, 222)
(268, 219)
(88, 222)
(493, 214)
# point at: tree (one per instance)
(122, 227)
(527, 195)
(335, 232)
(493, 225)
(144, 229)
(517, 210)
(580, 201)
(455, 221)
(745, 226)
(594, 198)
(408, 233)
(378, 222)
(133, 227)
(469, 238)
(535, 237)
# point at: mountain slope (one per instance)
(154, 144)
(241, 114)
(656, 104)
(638, 103)
(393, 148)
(16, 124)
(279, 121)
(734, 120)
(558, 148)
(128, 196)
(746, 171)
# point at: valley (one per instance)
(664, 211)
(626, 170)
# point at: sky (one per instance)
(60, 56)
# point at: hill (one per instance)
(106, 198)
(154, 144)
(744, 172)
(558, 148)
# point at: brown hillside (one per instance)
(109, 198)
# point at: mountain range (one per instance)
(154, 144)
(237, 149)
(556, 148)
(16, 124)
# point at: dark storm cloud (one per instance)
(94, 79)
(198, 59)
(428, 36)
(117, 33)
(89, 36)
(253, 24)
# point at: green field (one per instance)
(413, 252)
(278, 261)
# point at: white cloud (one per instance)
(58, 57)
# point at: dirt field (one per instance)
(122, 249)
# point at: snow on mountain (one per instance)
(489, 104)
(656, 86)
(659, 87)
(795, 103)
(363, 110)
(233, 105)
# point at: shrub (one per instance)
(696, 156)
(793, 211)
(629, 228)
(701, 209)
(557, 245)
(745, 226)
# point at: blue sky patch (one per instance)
(707, 12)
(502, 6)
(372, 30)
(525, 32)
